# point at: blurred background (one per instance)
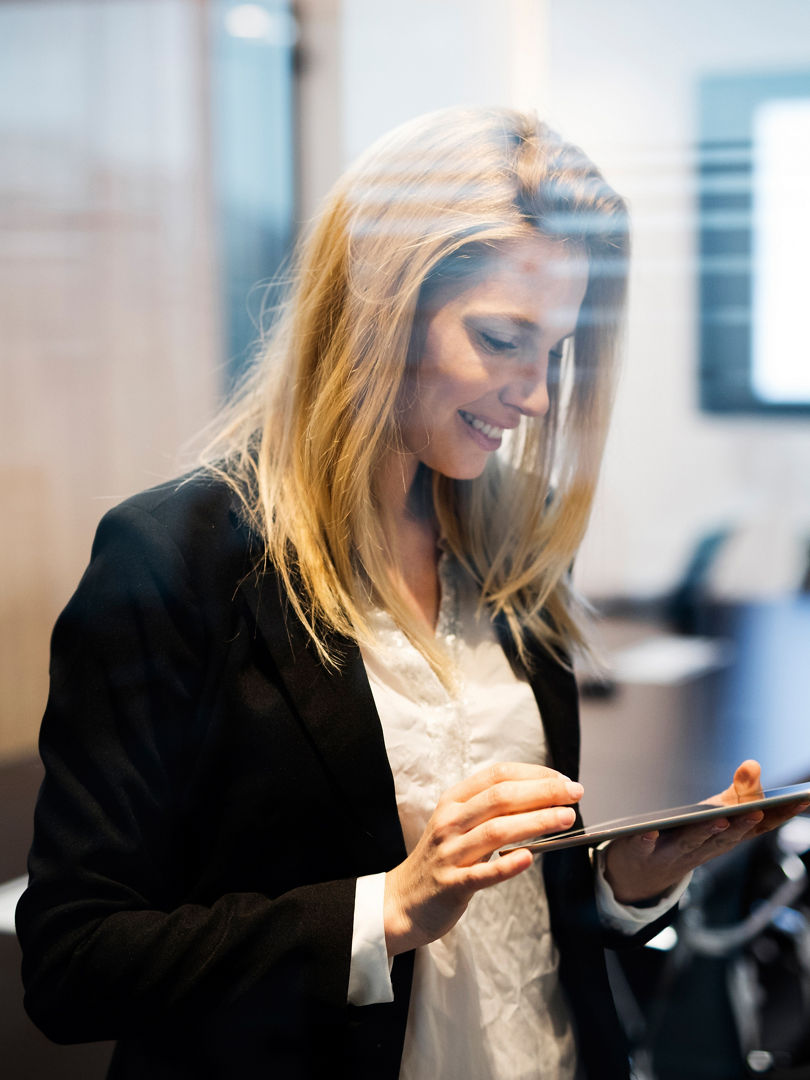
(157, 158)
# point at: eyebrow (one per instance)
(511, 316)
(523, 323)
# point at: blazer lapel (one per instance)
(555, 691)
(337, 710)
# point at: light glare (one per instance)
(781, 364)
(255, 23)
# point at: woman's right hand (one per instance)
(503, 804)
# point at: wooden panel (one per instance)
(110, 338)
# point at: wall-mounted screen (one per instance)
(754, 185)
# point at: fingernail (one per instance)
(720, 826)
(574, 789)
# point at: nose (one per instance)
(527, 391)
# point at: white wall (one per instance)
(623, 79)
(368, 65)
(406, 57)
(620, 78)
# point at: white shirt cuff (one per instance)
(370, 970)
(624, 917)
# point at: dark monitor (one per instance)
(754, 222)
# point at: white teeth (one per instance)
(489, 430)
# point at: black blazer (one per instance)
(212, 792)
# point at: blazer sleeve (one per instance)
(111, 946)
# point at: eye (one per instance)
(556, 354)
(495, 343)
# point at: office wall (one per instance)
(110, 339)
(621, 79)
(366, 66)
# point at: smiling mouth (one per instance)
(489, 430)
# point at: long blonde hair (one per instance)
(302, 441)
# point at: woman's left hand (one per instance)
(639, 868)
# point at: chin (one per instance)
(468, 470)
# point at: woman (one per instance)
(300, 698)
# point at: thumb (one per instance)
(747, 783)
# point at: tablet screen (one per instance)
(663, 819)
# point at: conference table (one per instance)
(654, 744)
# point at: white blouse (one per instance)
(486, 1003)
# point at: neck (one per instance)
(404, 491)
(407, 504)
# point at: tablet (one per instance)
(662, 819)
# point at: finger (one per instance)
(639, 846)
(515, 797)
(501, 868)
(740, 827)
(698, 843)
(497, 833)
(497, 773)
(747, 780)
(745, 785)
(772, 819)
(688, 839)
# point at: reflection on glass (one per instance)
(754, 171)
(781, 181)
(253, 161)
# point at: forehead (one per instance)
(534, 280)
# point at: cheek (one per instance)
(452, 375)
(450, 371)
(443, 393)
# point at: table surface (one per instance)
(653, 746)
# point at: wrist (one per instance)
(399, 930)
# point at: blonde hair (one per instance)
(302, 441)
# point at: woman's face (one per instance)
(486, 351)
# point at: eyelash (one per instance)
(497, 344)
